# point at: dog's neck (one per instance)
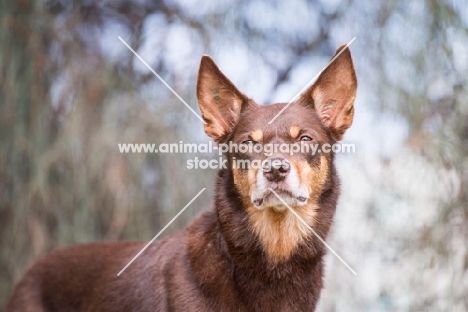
(239, 255)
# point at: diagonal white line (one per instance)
(167, 225)
(315, 233)
(312, 80)
(162, 80)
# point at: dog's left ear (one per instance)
(219, 100)
(332, 95)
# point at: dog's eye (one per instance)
(306, 138)
(248, 142)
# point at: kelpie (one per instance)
(249, 253)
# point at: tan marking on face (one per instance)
(294, 131)
(241, 180)
(257, 135)
(323, 169)
(280, 233)
(245, 180)
(313, 177)
(304, 171)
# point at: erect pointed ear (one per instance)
(219, 100)
(332, 95)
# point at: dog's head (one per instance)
(280, 147)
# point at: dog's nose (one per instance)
(276, 169)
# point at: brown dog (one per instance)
(249, 253)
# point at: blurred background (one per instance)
(70, 91)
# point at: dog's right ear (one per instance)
(219, 100)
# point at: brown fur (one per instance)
(235, 257)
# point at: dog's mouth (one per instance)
(269, 199)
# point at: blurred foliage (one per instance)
(69, 94)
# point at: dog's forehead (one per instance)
(257, 118)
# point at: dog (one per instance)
(249, 252)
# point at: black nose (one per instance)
(276, 169)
